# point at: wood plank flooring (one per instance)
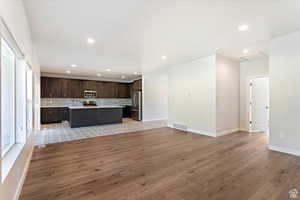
(161, 164)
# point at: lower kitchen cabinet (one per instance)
(126, 112)
(65, 114)
(54, 114)
(135, 115)
(94, 116)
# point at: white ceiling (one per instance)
(132, 35)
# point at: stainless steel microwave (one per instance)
(90, 94)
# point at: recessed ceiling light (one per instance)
(108, 70)
(68, 72)
(98, 74)
(135, 73)
(245, 51)
(122, 77)
(90, 40)
(73, 65)
(243, 27)
(164, 57)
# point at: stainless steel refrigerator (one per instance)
(136, 109)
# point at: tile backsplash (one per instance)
(78, 102)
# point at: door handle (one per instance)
(267, 107)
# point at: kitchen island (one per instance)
(81, 116)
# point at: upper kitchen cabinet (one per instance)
(74, 88)
(123, 90)
(110, 90)
(100, 89)
(89, 85)
(71, 88)
(51, 87)
(137, 85)
(43, 87)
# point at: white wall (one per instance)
(155, 96)
(202, 95)
(285, 93)
(192, 96)
(13, 13)
(227, 95)
(249, 69)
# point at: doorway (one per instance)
(259, 104)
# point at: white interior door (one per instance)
(259, 104)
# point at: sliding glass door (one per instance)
(7, 97)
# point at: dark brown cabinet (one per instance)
(60, 88)
(50, 87)
(137, 85)
(88, 85)
(54, 88)
(65, 92)
(110, 90)
(70, 88)
(54, 114)
(100, 89)
(51, 115)
(123, 91)
(134, 114)
(74, 88)
(43, 87)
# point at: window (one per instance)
(8, 137)
(16, 81)
(29, 102)
(20, 110)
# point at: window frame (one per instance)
(6, 44)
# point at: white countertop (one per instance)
(54, 106)
(85, 107)
(93, 107)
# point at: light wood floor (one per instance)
(162, 164)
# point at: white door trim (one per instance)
(247, 105)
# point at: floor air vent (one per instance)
(181, 127)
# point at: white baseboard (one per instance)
(207, 133)
(157, 119)
(255, 131)
(244, 130)
(211, 134)
(22, 180)
(226, 132)
(170, 125)
(284, 150)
